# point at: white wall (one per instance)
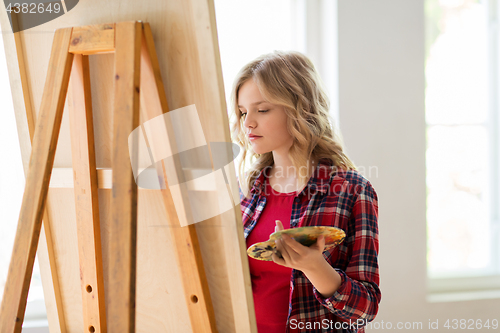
(381, 111)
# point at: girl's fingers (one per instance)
(322, 243)
(283, 250)
(292, 245)
(277, 258)
(279, 226)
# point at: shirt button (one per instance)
(297, 200)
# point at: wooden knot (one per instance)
(76, 40)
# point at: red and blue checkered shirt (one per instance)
(342, 199)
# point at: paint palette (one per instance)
(306, 236)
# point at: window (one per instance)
(247, 29)
(463, 136)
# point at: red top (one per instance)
(270, 281)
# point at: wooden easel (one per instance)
(137, 78)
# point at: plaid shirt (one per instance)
(346, 200)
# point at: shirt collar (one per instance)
(319, 181)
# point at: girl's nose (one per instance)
(249, 122)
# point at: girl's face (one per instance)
(264, 119)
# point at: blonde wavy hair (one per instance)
(289, 79)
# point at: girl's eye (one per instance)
(244, 114)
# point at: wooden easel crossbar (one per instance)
(137, 79)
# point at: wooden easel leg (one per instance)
(46, 256)
(86, 197)
(123, 227)
(37, 184)
(186, 244)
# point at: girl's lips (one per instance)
(254, 137)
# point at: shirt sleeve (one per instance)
(358, 296)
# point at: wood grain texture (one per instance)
(37, 184)
(93, 39)
(185, 36)
(86, 197)
(45, 252)
(123, 251)
(231, 233)
(185, 239)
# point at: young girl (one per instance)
(300, 176)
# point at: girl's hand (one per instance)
(296, 255)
